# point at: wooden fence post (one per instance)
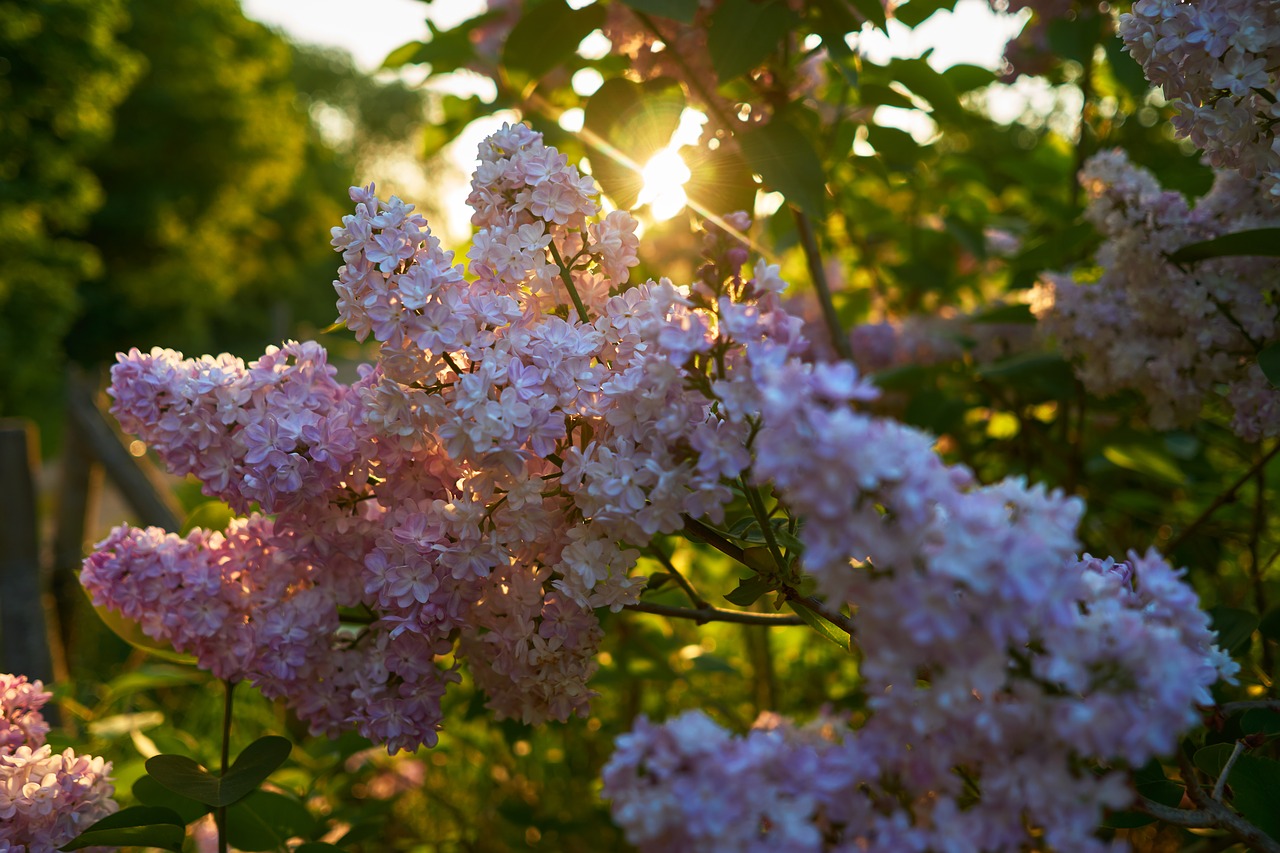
(24, 642)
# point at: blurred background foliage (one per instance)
(170, 178)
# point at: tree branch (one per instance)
(1224, 498)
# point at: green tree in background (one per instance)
(62, 71)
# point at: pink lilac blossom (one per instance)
(1172, 334)
(483, 488)
(46, 798)
(1218, 62)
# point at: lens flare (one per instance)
(664, 178)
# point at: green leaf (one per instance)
(712, 663)
(457, 114)
(896, 147)
(548, 34)
(318, 847)
(1150, 782)
(150, 792)
(136, 826)
(657, 580)
(749, 591)
(1260, 721)
(822, 626)
(1263, 242)
(1127, 72)
(210, 515)
(966, 78)
(1036, 376)
(873, 11)
(265, 820)
(917, 12)
(1269, 361)
(721, 180)
(1145, 459)
(635, 119)
(1016, 313)
(131, 633)
(184, 776)
(742, 34)
(1234, 627)
(1254, 784)
(678, 10)
(783, 155)
(918, 76)
(445, 51)
(877, 94)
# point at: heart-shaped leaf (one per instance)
(184, 776)
(136, 826)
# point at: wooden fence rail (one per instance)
(92, 447)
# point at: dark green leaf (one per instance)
(318, 847)
(184, 776)
(966, 78)
(1074, 38)
(445, 51)
(1260, 720)
(917, 12)
(1016, 313)
(264, 820)
(1036, 376)
(548, 34)
(876, 94)
(896, 147)
(918, 76)
(657, 580)
(1269, 361)
(1270, 624)
(749, 591)
(1234, 627)
(742, 34)
(1260, 241)
(136, 826)
(873, 11)
(150, 792)
(783, 155)
(1254, 783)
(1127, 72)
(210, 515)
(1151, 783)
(679, 10)
(822, 626)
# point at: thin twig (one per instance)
(702, 615)
(1219, 815)
(813, 257)
(1224, 498)
(694, 597)
(1221, 785)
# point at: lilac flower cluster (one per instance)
(1170, 333)
(46, 798)
(983, 748)
(1218, 62)
(530, 424)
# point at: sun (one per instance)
(664, 178)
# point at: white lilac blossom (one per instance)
(478, 493)
(47, 798)
(1172, 334)
(1218, 62)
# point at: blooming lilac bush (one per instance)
(478, 493)
(46, 797)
